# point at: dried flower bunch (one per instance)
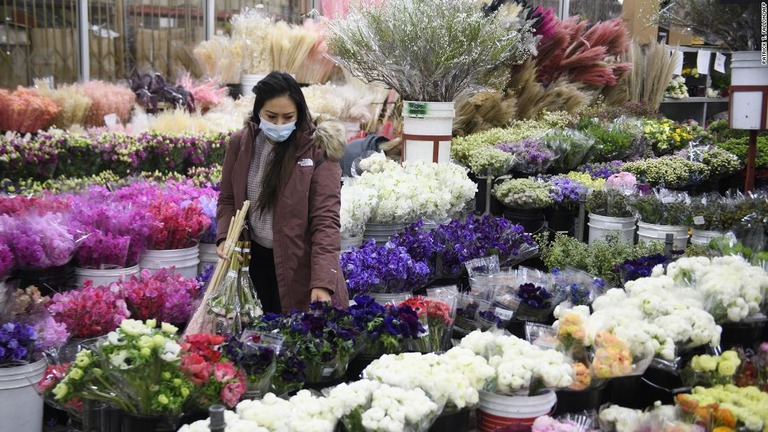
(252, 42)
(290, 46)
(26, 110)
(427, 50)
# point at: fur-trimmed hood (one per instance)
(330, 136)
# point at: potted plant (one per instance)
(609, 209)
(525, 201)
(566, 194)
(428, 51)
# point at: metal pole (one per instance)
(749, 184)
(83, 45)
(210, 19)
(581, 220)
(565, 9)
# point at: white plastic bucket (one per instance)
(104, 277)
(351, 129)
(247, 81)
(497, 411)
(601, 226)
(352, 242)
(381, 233)
(427, 131)
(702, 238)
(653, 232)
(184, 260)
(22, 406)
(207, 256)
(747, 69)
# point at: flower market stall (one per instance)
(547, 252)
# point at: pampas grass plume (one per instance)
(73, 103)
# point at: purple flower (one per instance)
(389, 268)
(602, 170)
(632, 269)
(566, 191)
(532, 155)
(18, 343)
(38, 241)
(475, 237)
(6, 259)
(536, 297)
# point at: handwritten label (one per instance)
(702, 62)
(720, 62)
(698, 220)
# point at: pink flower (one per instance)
(232, 392)
(622, 181)
(196, 369)
(224, 371)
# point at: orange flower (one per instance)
(725, 418)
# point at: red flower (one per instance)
(203, 345)
(196, 368)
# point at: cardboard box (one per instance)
(53, 54)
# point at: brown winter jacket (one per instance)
(306, 227)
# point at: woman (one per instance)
(289, 170)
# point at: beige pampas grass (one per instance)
(74, 105)
(290, 46)
(533, 98)
(477, 111)
(221, 58)
(653, 68)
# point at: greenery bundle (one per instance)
(427, 50)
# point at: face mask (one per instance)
(277, 133)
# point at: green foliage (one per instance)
(597, 259)
(740, 146)
(427, 50)
(609, 203)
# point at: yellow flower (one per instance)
(163, 399)
(97, 372)
(145, 352)
(146, 342)
(60, 390)
(159, 340)
(83, 360)
(730, 355)
(704, 363)
(151, 323)
(184, 392)
(76, 374)
(166, 375)
(727, 368)
(169, 328)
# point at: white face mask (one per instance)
(277, 133)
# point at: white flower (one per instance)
(134, 327)
(119, 358)
(619, 418)
(116, 339)
(171, 351)
(233, 421)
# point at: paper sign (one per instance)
(678, 58)
(720, 62)
(698, 220)
(504, 314)
(111, 121)
(702, 62)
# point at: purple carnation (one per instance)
(18, 343)
(602, 170)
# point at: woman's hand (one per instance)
(321, 294)
(220, 251)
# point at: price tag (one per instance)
(720, 62)
(504, 314)
(698, 220)
(702, 62)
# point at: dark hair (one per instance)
(279, 171)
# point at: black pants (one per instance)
(264, 278)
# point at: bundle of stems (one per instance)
(236, 304)
(221, 58)
(317, 67)
(202, 321)
(653, 67)
(290, 47)
(74, 105)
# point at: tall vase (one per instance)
(427, 131)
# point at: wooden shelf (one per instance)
(696, 100)
(171, 11)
